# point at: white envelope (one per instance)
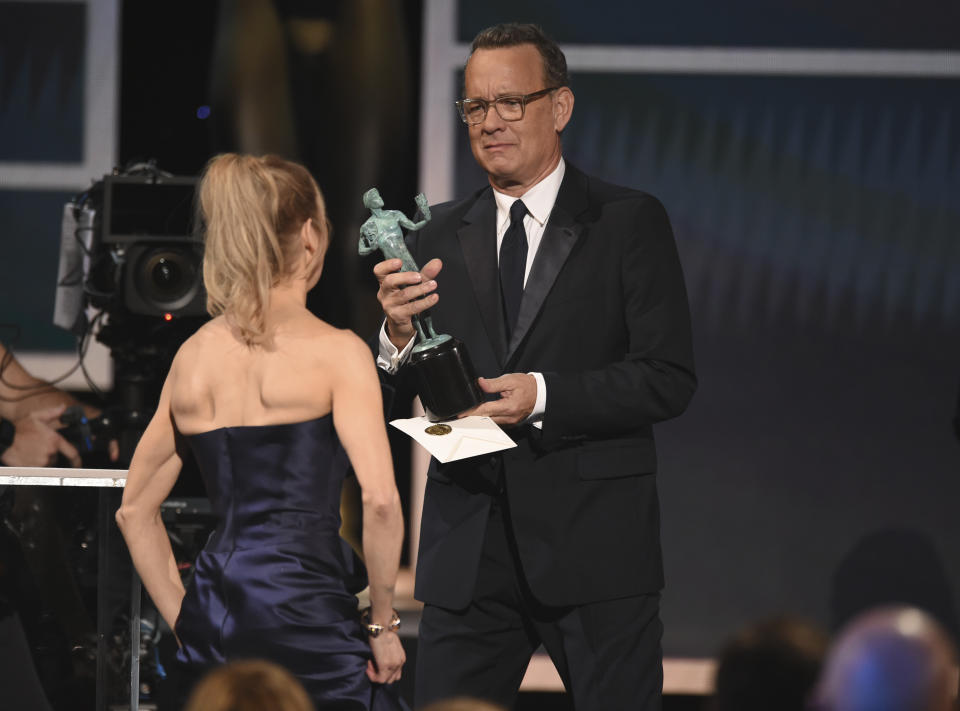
(467, 437)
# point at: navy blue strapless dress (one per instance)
(275, 580)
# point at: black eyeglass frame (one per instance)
(524, 99)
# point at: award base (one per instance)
(448, 383)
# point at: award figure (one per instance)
(448, 384)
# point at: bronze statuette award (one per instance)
(448, 383)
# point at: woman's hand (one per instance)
(388, 658)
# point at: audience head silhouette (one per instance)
(253, 685)
(773, 664)
(890, 659)
(463, 703)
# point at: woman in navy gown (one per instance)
(275, 405)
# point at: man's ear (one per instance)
(562, 108)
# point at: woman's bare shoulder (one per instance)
(343, 341)
(204, 353)
(212, 335)
(339, 349)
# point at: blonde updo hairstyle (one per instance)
(253, 209)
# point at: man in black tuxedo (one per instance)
(569, 296)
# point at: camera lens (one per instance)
(168, 277)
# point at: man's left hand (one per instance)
(518, 396)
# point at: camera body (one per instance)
(132, 252)
(149, 221)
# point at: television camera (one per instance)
(131, 275)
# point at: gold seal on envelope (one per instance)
(439, 429)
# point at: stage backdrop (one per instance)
(58, 120)
(809, 157)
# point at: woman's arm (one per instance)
(358, 418)
(153, 472)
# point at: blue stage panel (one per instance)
(29, 255)
(42, 72)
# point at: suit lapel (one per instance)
(559, 237)
(479, 246)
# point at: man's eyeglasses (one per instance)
(509, 108)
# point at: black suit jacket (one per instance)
(604, 317)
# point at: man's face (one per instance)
(515, 154)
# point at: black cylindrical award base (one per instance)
(448, 383)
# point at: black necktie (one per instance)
(513, 262)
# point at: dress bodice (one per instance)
(275, 580)
(272, 483)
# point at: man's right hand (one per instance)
(36, 442)
(400, 296)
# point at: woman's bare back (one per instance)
(217, 381)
